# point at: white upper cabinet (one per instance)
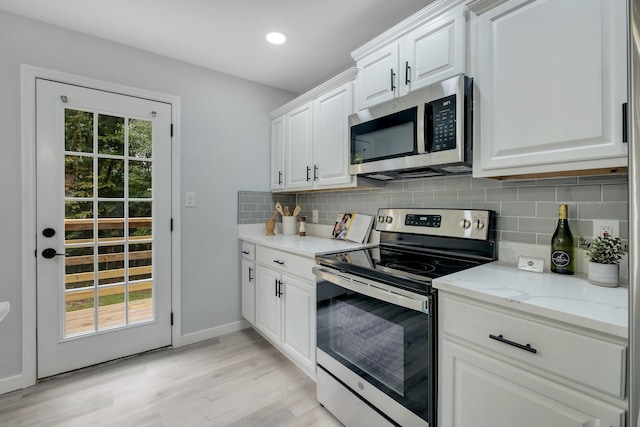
(313, 133)
(551, 81)
(331, 137)
(377, 77)
(424, 49)
(277, 154)
(299, 147)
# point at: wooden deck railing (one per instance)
(116, 273)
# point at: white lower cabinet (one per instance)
(248, 281)
(248, 290)
(481, 391)
(529, 374)
(286, 306)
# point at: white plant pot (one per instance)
(603, 274)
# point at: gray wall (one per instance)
(527, 210)
(225, 148)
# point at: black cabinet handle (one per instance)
(315, 172)
(250, 274)
(526, 347)
(625, 124)
(278, 288)
(407, 73)
(278, 262)
(246, 253)
(393, 78)
(279, 177)
(308, 170)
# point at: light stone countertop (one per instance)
(4, 309)
(307, 246)
(570, 299)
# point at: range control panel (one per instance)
(462, 223)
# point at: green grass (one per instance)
(108, 300)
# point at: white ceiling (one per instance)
(229, 35)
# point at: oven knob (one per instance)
(381, 218)
(388, 220)
(465, 223)
(478, 224)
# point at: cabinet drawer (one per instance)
(248, 251)
(286, 262)
(597, 364)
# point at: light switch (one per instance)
(190, 199)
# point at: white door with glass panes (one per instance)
(103, 226)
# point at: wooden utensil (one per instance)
(273, 217)
(279, 208)
(287, 212)
(297, 210)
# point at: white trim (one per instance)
(28, 76)
(11, 383)
(218, 331)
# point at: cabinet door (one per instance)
(551, 100)
(268, 303)
(299, 322)
(377, 77)
(248, 290)
(477, 390)
(277, 154)
(433, 52)
(331, 137)
(299, 146)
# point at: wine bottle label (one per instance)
(560, 258)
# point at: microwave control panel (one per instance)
(442, 124)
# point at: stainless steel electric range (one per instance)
(376, 314)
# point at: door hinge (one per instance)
(171, 226)
(172, 318)
(171, 129)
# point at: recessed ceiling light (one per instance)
(276, 38)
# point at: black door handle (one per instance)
(50, 253)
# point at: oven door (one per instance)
(381, 350)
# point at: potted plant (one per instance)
(604, 254)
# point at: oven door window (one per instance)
(389, 346)
(385, 138)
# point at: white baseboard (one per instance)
(11, 384)
(207, 334)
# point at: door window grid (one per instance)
(131, 283)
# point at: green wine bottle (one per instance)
(562, 259)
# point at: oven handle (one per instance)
(373, 289)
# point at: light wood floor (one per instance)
(235, 380)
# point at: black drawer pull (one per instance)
(246, 253)
(526, 347)
(278, 262)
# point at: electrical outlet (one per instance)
(315, 216)
(602, 227)
(190, 199)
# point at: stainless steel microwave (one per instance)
(425, 133)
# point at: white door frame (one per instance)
(28, 75)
